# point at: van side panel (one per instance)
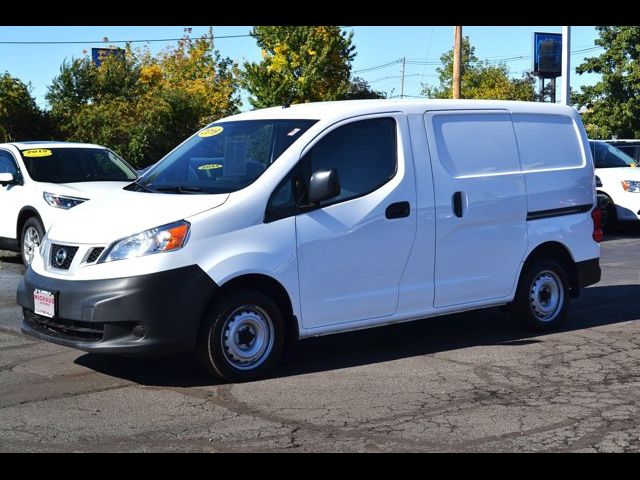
(557, 168)
(480, 242)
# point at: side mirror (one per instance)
(7, 179)
(324, 185)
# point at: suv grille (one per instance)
(62, 256)
(95, 254)
(63, 328)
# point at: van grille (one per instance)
(62, 256)
(64, 328)
(95, 254)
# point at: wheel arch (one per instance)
(274, 290)
(559, 252)
(25, 213)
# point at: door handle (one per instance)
(457, 204)
(398, 210)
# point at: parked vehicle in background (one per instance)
(287, 223)
(618, 179)
(39, 181)
(630, 147)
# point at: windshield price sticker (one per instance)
(37, 152)
(210, 132)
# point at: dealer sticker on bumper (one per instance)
(44, 303)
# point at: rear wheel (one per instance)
(542, 298)
(242, 336)
(30, 238)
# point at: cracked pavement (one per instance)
(470, 382)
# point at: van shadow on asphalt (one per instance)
(492, 327)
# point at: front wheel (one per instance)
(542, 298)
(30, 238)
(242, 336)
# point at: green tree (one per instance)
(611, 107)
(359, 89)
(299, 64)
(20, 117)
(142, 105)
(480, 79)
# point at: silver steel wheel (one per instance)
(546, 295)
(30, 243)
(247, 337)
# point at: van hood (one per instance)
(122, 213)
(87, 190)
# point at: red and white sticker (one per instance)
(44, 303)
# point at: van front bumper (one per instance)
(149, 314)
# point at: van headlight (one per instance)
(160, 239)
(62, 201)
(631, 186)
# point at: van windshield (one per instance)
(72, 165)
(608, 156)
(224, 157)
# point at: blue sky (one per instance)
(376, 45)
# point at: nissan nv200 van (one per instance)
(286, 223)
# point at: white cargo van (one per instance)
(286, 223)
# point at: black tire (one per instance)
(31, 226)
(609, 217)
(248, 309)
(534, 306)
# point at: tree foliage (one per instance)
(20, 117)
(480, 79)
(612, 106)
(299, 64)
(142, 105)
(359, 89)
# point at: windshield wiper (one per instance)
(177, 189)
(138, 187)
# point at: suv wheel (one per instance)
(30, 238)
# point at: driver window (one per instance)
(7, 163)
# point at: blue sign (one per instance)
(547, 54)
(99, 54)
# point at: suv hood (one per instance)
(88, 190)
(122, 213)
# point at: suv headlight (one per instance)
(631, 186)
(160, 239)
(62, 201)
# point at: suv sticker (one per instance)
(37, 152)
(210, 132)
(209, 166)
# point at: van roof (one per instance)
(348, 108)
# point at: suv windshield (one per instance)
(608, 156)
(71, 165)
(224, 157)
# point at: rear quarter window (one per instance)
(547, 142)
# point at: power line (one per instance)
(73, 42)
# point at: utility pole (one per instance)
(457, 60)
(404, 59)
(566, 57)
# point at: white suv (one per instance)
(40, 180)
(618, 178)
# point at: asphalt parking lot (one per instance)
(470, 382)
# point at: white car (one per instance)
(39, 181)
(618, 178)
(287, 223)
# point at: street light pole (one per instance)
(566, 66)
